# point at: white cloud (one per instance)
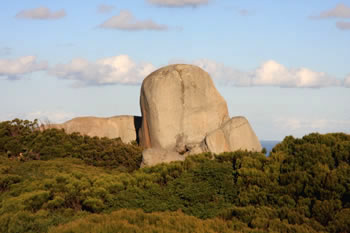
(178, 3)
(105, 8)
(113, 70)
(126, 21)
(272, 73)
(347, 81)
(123, 70)
(342, 25)
(269, 73)
(224, 74)
(340, 11)
(13, 68)
(41, 13)
(44, 117)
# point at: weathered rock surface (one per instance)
(182, 114)
(179, 105)
(235, 134)
(125, 127)
(154, 156)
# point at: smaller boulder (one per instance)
(123, 127)
(235, 134)
(154, 156)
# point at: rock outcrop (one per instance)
(179, 105)
(182, 114)
(235, 134)
(123, 127)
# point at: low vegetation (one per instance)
(23, 140)
(54, 182)
(138, 221)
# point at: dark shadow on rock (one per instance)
(137, 125)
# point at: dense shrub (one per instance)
(303, 186)
(24, 141)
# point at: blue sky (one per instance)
(285, 65)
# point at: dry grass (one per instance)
(138, 221)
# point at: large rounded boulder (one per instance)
(179, 105)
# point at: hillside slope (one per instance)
(303, 186)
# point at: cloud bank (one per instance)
(270, 73)
(113, 70)
(126, 21)
(178, 3)
(14, 68)
(123, 70)
(42, 13)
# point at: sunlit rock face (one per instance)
(235, 134)
(183, 112)
(123, 127)
(179, 105)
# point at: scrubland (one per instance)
(54, 182)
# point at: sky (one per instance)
(284, 65)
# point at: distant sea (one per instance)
(268, 144)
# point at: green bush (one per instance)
(303, 186)
(24, 141)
